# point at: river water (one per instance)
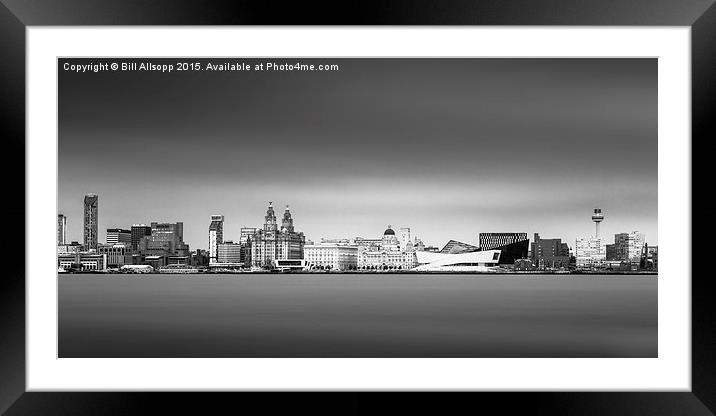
(370, 315)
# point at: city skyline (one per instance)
(447, 147)
(213, 218)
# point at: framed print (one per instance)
(391, 200)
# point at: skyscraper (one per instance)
(90, 222)
(61, 230)
(139, 231)
(216, 237)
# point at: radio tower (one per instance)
(597, 217)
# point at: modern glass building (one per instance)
(513, 246)
(139, 231)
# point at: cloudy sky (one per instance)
(447, 147)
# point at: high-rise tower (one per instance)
(597, 217)
(61, 229)
(90, 221)
(216, 237)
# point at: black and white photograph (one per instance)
(235, 207)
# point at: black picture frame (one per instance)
(16, 15)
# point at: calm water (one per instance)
(357, 316)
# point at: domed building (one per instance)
(391, 252)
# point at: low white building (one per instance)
(474, 261)
(590, 252)
(331, 256)
(82, 261)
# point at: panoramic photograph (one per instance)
(357, 207)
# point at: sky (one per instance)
(448, 147)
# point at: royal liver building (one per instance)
(274, 243)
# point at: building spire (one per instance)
(287, 223)
(270, 219)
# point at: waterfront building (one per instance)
(338, 255)
(91, 215)
(590, 252)
(342, 241)
(247, 233)
(549, 253)
(185, 260)
(611, 252)
(620, 265)
(156, 261)
(199, 258)
(512, 246)
(418, 244)
(650, 258)
(273, 243)
(472, 261)
(117, 255)
(228, 252)
(136, 268)
(524, 265)
(61, 230)
(404, 236)
(454, 247)
(139, 231)
(82, 261)
(166, 239)
(290, 265)
(73, 247)
(216, 237)
(386, 253)
(119, 236)
(628, 246)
